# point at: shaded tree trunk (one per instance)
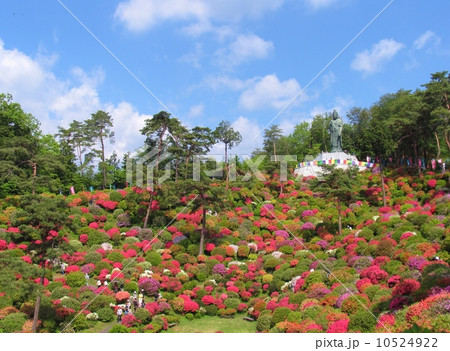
(149, 208)
(382, 184)
(339, 216)
(438, 156)
(203, 231)
(37, 306)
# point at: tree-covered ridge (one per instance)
(403, 128)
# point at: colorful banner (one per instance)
(339, 162)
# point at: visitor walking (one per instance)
(63, 268)
(119, 314)
(86, 276)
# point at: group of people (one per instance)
(134, 302)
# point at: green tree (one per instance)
(320, 138)
(436, 98)
(99, 128)
(272, 137)
(337, 184)
(207, 197)
(77, 137)
(40, 220)
(230, 138)
(197, 141)
(156, 129)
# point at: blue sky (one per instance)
(210, 60)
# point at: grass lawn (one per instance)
(99, 327)
(208, 324)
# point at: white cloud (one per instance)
(194, 56)
(428, 38)
(221, 82)
(196, 110)
(141, 15)
(127, 125)
(318, 4)
(248, 130)
(270, 92)
(373, 60)
(56, 102)
(244, 49)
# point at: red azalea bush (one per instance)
(129, 320)
(122, 296)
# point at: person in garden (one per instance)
(63, 268)
(99, 283)
(119, 314)
(86, 276)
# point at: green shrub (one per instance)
(271, 263)
(153, 257)
(297, 298)
(211, 310)
(193, 249)
(115, 196)
(106, 314)
(143, 315)
(13, 322)
(286, 249)
(315, 277)
(71, 303)
(417, 218)
(117, 212)
(115, 256)
(280, 314)
(362, 321)
(371, 291)
(263, 323)
(294, 316)
(95, 210)
(131, 240)
(435, 233)
(80, 322)
(57, 293)
(100, 302)
(366, 233)
(243, 251)
(92, 257)
(201, 277)
(75, 279)
(145, 234)
(218, 251)
(99, 266)
(232, 303)
(131, 287)
(144, 265)
(392, 266)
(75, 245)
(119, 328)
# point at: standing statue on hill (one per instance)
(336, 132)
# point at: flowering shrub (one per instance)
(340, 326)
(149, 285)
(122, 296)
(129, 320)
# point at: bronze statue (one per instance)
(336, 132)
